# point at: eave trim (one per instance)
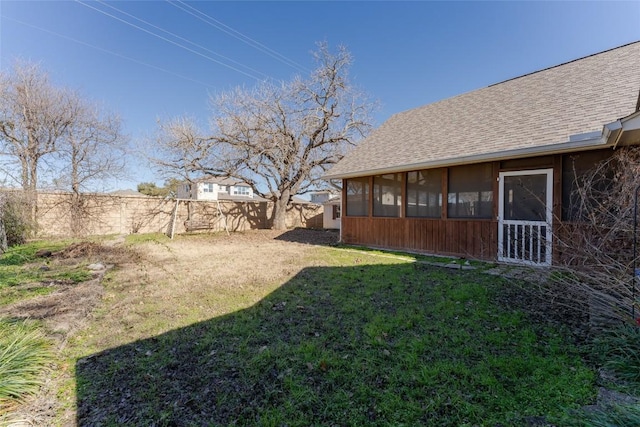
(558, 148)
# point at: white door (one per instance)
(525, 217)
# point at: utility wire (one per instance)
(170, 41)
(236, 34)
(183, 39)
(137, 61)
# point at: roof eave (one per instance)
(602, 141)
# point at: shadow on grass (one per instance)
(310, 236)
(361, 345)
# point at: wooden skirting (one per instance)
(465, 238)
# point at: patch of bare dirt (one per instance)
(63, 312)
(65, 309)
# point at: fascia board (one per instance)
(557, 148)
(631, 122)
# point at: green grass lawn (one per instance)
(24, 275)
(353, 339)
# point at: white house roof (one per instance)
(558, 108)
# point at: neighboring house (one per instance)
(299, 200)
(488, 174)
(331, 213)
(216, 189)
(320, 197)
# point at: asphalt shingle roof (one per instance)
(538, 109)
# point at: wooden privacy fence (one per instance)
(104, 214)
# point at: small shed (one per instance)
(332, 213)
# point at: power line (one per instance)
(183, 39)
(137, 61)
(236, 34)
(169, 41)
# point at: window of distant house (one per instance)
(470, 191)
(424, 193)
(357, 196)
(336, 212)
(240, 190)
(207, 187)
(387, 194)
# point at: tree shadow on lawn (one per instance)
(361, 345)
(310, 236)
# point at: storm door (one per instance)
(525, 217)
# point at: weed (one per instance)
(618, 350)
(24, 353)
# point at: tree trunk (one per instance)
(32, 196)
(279, 215)
(78, 214)
(3, 237)
(3, 230)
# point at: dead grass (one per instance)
(193, 278)
(156, 285)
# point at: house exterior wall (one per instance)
(331, 215)
(445, 235)
(206, 191)
(211, 191)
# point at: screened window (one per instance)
(357, 196)
(525, 197)
(470, 191)
(424, 193)
(208, 187)
(387, 194)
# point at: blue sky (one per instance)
(406, 54)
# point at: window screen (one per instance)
(470, 191)
(525, 197)
(387, 194)
(424, 193)
(357, 196)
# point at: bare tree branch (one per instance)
(277, 138)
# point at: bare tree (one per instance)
(180, 148)
(34, 117)
(596, 243)
(277, 138)
(92, 151)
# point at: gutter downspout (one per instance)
(617, 125)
